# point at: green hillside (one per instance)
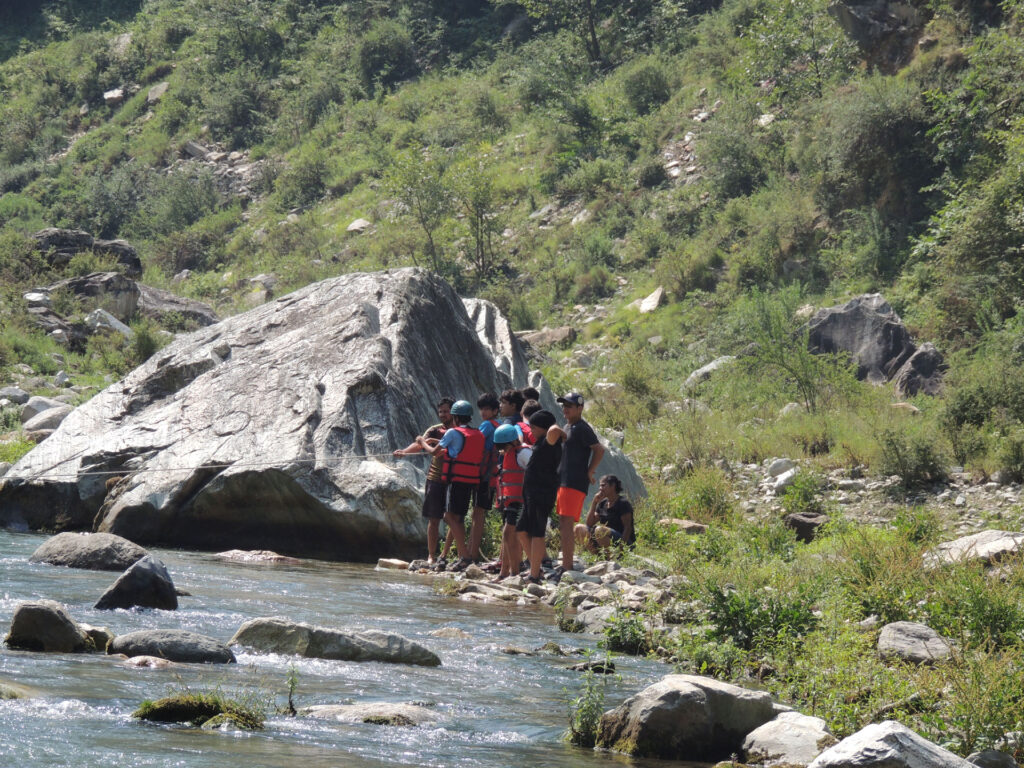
(564, 159)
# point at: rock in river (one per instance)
(274, 429)
(145, 585)
(173, 645)
(887, 745)
(276, 635)
(93, 551)
(43, 625)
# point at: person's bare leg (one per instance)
(433, 537)
(449, 538)
(565, 532)
(509, 560)
(536, 555)
(457, 526)
(476, 533)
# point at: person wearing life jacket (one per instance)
(434, 493)
(483, 496)
(462, 448)
(514, 458)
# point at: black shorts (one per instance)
(460, 495)
(512, 512)
(483, 496)
(533, 522)
(434, 500)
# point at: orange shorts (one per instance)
(570, 503)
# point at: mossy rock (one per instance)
(197, 709)
(394, 719)
(229, 721)
(8, 692)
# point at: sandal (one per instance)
(460, 565)
(533, 580)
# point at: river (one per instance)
(496, 709)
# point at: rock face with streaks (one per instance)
(272, 429)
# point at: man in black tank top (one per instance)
(540, 487)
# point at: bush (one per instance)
(646, 88)
(385, 56)
(304, 182)
(1011, 455)
(803, 496)
(914, 458)
(625, 632)
(752, 618)
(652, 174)
(586, 709)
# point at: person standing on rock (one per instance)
(434, 493)
(462, 449)
(540, 487)
(580, 457)
(483, 497)
(515, 456)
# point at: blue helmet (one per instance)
(462, 408)
(505, 434)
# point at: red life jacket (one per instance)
(510, 483)
(490, 467)
(465, 468)
(524, 427)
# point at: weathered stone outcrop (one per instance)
(885, 30)
(685, 717)
(277, 635)
(63, 244)
(873, 335)
(987, 547)
(92, 551)
(173, 645)
(272, 429)
(887, 745)
(43, 625)
(146, 584)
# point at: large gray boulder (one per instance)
(277, 635)
(43, 625)
(913, 642)
(61, 245)
(36, 405)
(48, 419)
(877, 342)
(272, 429)
(92, 551)
(791, 738)
(887, 745)
(173, 645)
(885, 30)
(146, 584)
(685, 717)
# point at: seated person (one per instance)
(610, 519)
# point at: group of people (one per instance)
(522, 464)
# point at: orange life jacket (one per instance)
(465, 468)
(510, 482)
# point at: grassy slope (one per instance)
(910, 183)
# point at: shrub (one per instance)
(586, 709)
(12, 450)
(385, 55)
(803, 496)
(706, 495)
(914, 458)
(304, 182)
(625, 632)
(646, 88)
(652, 174)
(1011, 455)
(752, 617)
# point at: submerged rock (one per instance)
(92, 551)
(277, 635)
(377, 713)
(200, 710)
(273, 428)
(173, 645)
(43, 625)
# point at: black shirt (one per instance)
(611, 514)
(542, 469)
(576, 456)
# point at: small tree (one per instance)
(476, 198)
(417, 180)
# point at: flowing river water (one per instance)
(496, 709)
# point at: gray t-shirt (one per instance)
(572, 471)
